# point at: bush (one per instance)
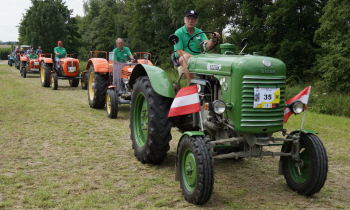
(332, 103)
(4, 52)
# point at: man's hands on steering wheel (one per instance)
(215, 37)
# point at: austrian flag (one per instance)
(186, 102)
(303, 97)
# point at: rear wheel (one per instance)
(195, 169)
(97, 87)
(308, 175)
(149, 123)
(74, 82)
(112, 104)
(54, 81)
(45, 72)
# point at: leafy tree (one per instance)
(46, 22)
(289, 35)
(334, 38)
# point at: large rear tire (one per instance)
(308, 176)
(97, 88)
(23, 70)
(149, 123)
(45, 72)
(195, 169)
(112, 104)
(74, 82)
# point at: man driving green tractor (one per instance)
(182, 52)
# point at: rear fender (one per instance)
(99, 64)
(159, 79)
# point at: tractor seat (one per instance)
(174, 60)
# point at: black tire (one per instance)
(74, 82)
(112, 104)
(198, 187)
(83, 81)
(313, 172)
(22, 69)
(45, 72)
(97, 88)
(153, 146)
(54, 81)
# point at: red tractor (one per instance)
(108, 81)
(66, 69)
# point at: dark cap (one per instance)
(191, 13)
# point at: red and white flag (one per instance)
(303, 96)
(186, 102)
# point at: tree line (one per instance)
(311, 37)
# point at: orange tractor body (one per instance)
(107, 81)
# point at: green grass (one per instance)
(57, 153)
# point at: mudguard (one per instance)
(24, 59)
(194, 133)
(99, 64)
(46, 60)
(159, 79)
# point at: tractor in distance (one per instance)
(108, 81)
(241, 101)
(30, 63)
(67, 69)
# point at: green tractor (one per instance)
(241, 105)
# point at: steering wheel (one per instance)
(195, 35)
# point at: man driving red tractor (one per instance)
(60, 52)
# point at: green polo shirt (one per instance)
(62, 52)
(32, 56)
(184, 36)
(122, 55)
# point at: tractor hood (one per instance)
(225, 65)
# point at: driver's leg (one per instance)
(184, 66)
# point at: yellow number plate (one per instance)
(266, 97)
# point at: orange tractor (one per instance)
(66, 69)
(28, 65)
(108, 81)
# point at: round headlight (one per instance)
(219, 107)
(298, 107)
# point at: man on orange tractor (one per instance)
(182, 52)
(60, 52)
(122, 54)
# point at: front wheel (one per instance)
(22, 70)
(112, 104)
(308, 175)
(74, 82)
(149, 123)
(45, 72)
(195, 169)
(54, 81)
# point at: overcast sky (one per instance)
(11, 12)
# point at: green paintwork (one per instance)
(194, 133)
(238, 76)
(189, 170)
(227, 48)
(140, 120)
(158, 77)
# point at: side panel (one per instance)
(99, 64)
(158, 77)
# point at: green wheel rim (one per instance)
(189, 170)
(302, 175)
(141, 120)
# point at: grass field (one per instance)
(56, 152)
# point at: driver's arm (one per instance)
(210, 44)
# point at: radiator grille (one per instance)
(252, 117)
